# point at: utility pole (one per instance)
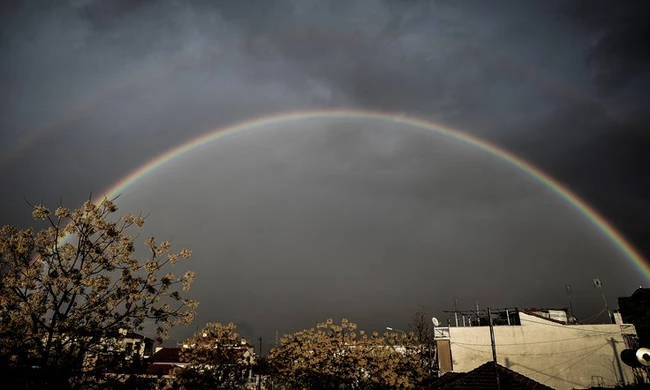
(570, 294)
(612, 341)
(494, 349)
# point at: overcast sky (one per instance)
(292, 223)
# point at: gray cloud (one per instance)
(361, 218)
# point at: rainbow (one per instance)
(605, 227)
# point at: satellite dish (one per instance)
(435, 321)
(643, 356)
(636, 358)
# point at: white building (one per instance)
(543, 347)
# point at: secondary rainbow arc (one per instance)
(559, 189)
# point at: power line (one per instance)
(576, 360)
(526, 343)
(465, 346)
(568, 363)
(591, 317)
(569, 327)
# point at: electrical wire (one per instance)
(569, 327)
(525, 343)
(591, 317)
(575, 360)
(525, 353)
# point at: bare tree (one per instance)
(423, 332)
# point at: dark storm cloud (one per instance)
(604, 146)
(522, 75)
(105, 75)
(93, 89)
(620, 53)
(301, 228)
(443, 61)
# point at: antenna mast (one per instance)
(570, 295)
(599, 285)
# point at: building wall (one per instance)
(557, 355)
(636, 310)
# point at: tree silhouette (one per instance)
(340, 356)
(70, 288)
(218, 359)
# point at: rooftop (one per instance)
(484, 377)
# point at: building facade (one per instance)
(635, 309)
(543, 348)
